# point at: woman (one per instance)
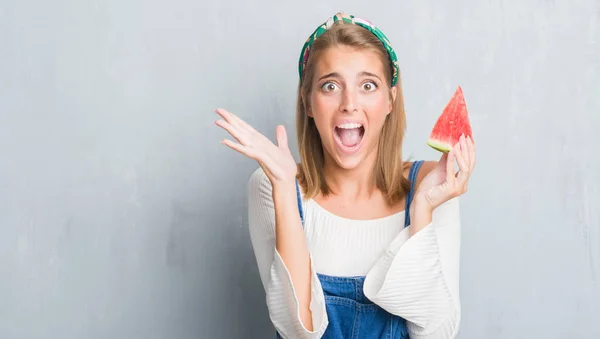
(353, 242)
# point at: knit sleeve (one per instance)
(417, 278)
(281, 298)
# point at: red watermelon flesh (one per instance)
(453, 122)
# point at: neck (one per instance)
(355, 183)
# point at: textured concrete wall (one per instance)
(122, 216)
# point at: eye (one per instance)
(369, 86)
(329, 87)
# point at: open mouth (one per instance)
(349, 135)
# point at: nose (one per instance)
(349, 102)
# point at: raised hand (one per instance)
(443, 183)
(276, 160)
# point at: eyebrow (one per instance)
(337, 75)
(330, 75)
(369, 74)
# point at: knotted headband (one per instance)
(348, 19)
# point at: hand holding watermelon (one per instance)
(443, 183)
(452, 136)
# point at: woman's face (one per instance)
(349, 103)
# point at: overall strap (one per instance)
(299, 198)
(412, 177)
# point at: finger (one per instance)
(235, 146)
(231, 129)
(282, 140)
(245, 150)
(228, 116)
(450, 178)
(464, 150)
(463, 169)
(443, 161)
(471, 152)
(233, 119)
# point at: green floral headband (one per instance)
(348, 19)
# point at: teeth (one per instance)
(350, 125)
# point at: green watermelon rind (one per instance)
(439, 145)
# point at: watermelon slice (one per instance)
(453, 122)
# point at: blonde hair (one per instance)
(388, 170)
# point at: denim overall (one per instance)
(350, 313)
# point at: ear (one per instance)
(394, 93)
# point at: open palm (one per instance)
(276, 160)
